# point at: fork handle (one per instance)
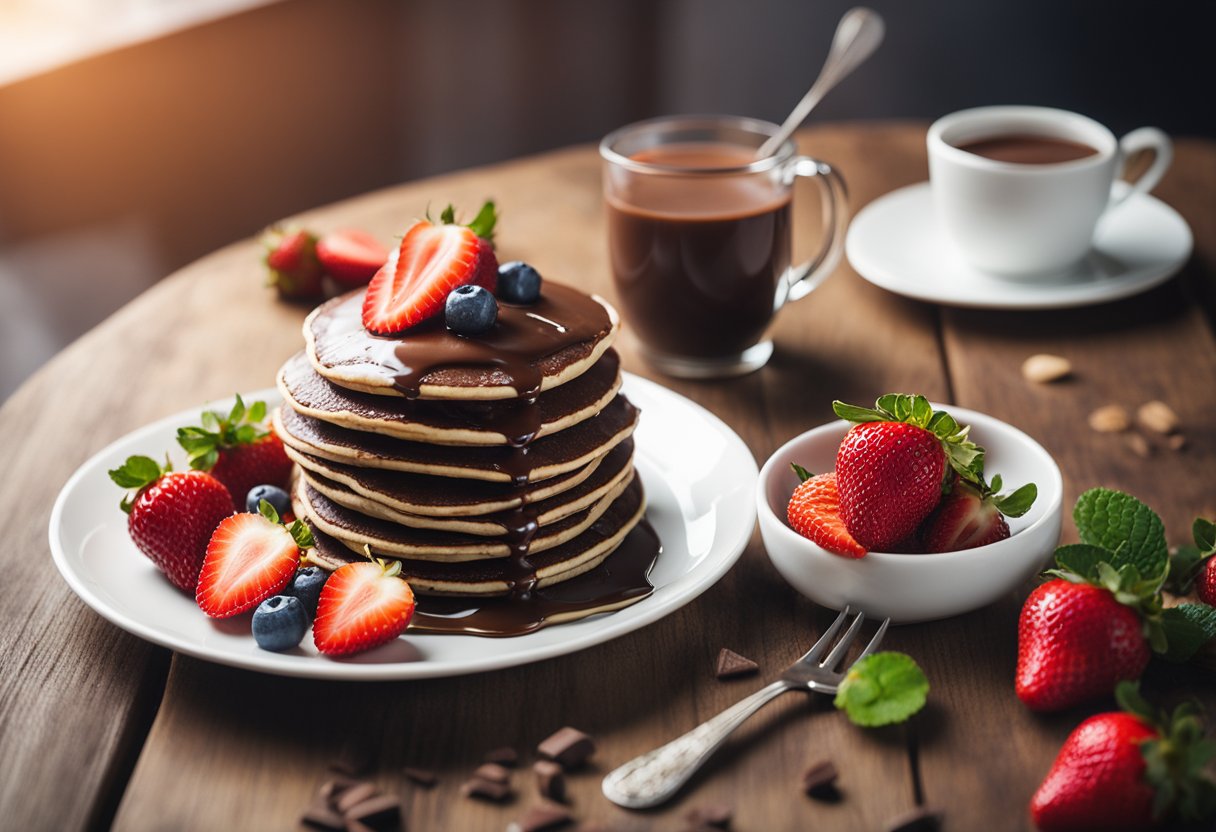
(653, 777)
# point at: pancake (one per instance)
(357, 530)
(548, 457)
(499, 576)
(503, 422)
(614, 469)
(531, 348)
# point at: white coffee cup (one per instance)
(1020, 219)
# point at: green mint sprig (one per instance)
(882, 689)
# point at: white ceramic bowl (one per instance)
(911, 588)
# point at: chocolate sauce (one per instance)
(622, 579)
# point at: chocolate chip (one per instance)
(423, 777)
(716, 815)
(505, 756)
(819, 781)
(493, 772)
(485, 789)
(918, 820)
(732, 665)
(321, 816)
(541, 818)
(381, 812)
(355, 795)
(353, 760)
(569, 746)
(550, 781)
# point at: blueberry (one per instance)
(470, 310)
(272, 494)
(279, 623)
(306, 586)
(518, 283)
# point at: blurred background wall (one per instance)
(195, 123)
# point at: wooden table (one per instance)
(98, 727)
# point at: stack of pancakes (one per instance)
(488, 465)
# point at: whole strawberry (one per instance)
(237, 449)
(172, 515)
(1127, 770)
(1075, 643)
(892, 465)
(291, 263)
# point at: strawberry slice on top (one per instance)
(432, 260)
(362, 605)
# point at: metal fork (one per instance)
(654, 777)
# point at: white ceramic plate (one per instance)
(896, 242)
(699, 479)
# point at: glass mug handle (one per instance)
(1144, 138)
(801, 280)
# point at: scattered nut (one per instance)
(1158, 416)
(1139, 445)
(1044, 368)
(1109, 419)
(1177, 442)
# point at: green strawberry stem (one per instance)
(241, 426)
(482, 224)
(803, 474)
(298, 530)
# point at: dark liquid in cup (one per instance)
(1028, 150)
(697, 259)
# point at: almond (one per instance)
(1139, 445)
(1177, 442)
(1110, 419)
(1044, 368)
(1158, 416)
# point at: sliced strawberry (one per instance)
(814, 512)
(250, 558)
(363, 605)
(351, 257)
(973, 514)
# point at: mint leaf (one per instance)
(1187, 628)
(1121, 523)
(1204, 532)
(1082, 559)
(881, 689)
(803, 474)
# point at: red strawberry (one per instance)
(291, 262)
(250, 558)
(973, 514)
(1076, 642)
(363, 605)
(237, 449)
(487, 266)
(1205, 582)
(351, 257)
(1126, 771)
(172, 516)
(814, 512)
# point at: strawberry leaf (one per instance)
(1204, 532)
(803, 474)
(243, 425)
(483, 224)
(1017, 503)
(1123, 524)
(858, 415)
(881, 689)
(136, 472)
(268, 511)
(301, 534)
(1188, 627)
(1081, 561)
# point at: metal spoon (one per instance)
(857, 35)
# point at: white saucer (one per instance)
(896, 242)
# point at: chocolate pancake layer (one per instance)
(499, 576)
(530, 349)
(614, 469)
(511, 422)
(357, 530)
(547, 457)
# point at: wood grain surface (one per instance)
(99, 728)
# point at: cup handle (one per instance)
(1144, 138)
(802, 279)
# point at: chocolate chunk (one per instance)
(381, 812)
(485, 789)
(541, 818)
(716, 815)
(731, 665)
(321, 816)
(569, 746)
(423, 777)
(355, 795)
(493, 772)
(920, 819)
(353, 760)
(550, 781)
(505, 756)
(819, 781)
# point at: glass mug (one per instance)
(699, 236)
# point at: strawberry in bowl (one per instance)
(910, 482)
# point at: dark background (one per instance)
(118, 169)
